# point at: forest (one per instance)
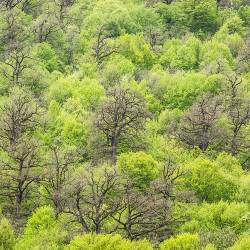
(124, 124)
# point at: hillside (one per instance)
(124, 124)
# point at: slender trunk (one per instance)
(58, 207)
(19, 198)
(234, 146)
(97, 219)
(114, 150)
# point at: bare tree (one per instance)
(15, 40)
(166, 184)
(45, 25)
(198, 126)
(17, 60)
(19, 163)
(57, 173)
(102, 195)
(93, 198)
(147, 212)
(121, 118)
(238, 111)
(102, 47)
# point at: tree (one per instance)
(63, 5)
(140, 167)
(244, 56)
(57, 174)
(47, 24)
(216, 223)
(184, 241)
(16, 62)
(7, 235)
(220, 186)
(198, 125)
(103, 47)
(242, 244)
(47, 56)
(93, 200)
(137, 49)
(204, 15)
(10, 4)
(42, 231)
(106, 242)
(238, 110)
(15, 42)
(143, 213)
(121, 118)
(19, 149)
(174, 51)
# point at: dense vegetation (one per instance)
(124, 124)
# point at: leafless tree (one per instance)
(45, 25)
(198, 126)
(238, 110)
(93, 199)
(58, 168)
(15, 54)
(121, 118)
(102, 47)
(17, 59)
(143, 215)
(147, 213)
(166, 184)
(19, 163)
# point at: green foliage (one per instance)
(42, 231)
(7, 235)
(181, 89)
(214, 51)
(221, 186)
(184, 56)
(81, 80)
(184, 241)
(47, 55)
(211, 217)
(61, 89)
(89, 93)
(106, 242)
(244, 13)
(241, 244)
(121, 17)
(139, 167)
(204, 15)
(117, 69)
(198, 16)
(137, 50)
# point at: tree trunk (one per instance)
(114, 150)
